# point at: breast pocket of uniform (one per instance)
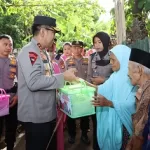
(107, 70)
(71, 66)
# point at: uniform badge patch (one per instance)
(33, 56)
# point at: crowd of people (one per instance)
(120, 75)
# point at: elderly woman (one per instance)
(139, 74)
(115, 103)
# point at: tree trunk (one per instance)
(120, 21)
(138, 29)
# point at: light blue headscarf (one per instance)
(119, 90)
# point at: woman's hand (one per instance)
(98, 80)
(101, 101)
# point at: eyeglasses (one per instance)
(50, 29)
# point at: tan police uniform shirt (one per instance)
(80, 64)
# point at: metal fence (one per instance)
(141, 44)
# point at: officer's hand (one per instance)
(69, 75)
(13, 101)
(98, 80)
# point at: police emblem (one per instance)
(33, 56)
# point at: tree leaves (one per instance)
(76, 19)
(145, 4)
(141, 3)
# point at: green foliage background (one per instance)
(130, 8)
(77, 19)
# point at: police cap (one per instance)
(78, 43)
(48, 21)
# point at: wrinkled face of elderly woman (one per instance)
(135, 72)
(114, 62)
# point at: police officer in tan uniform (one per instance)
(37, 86)
(81, 64)
(8, 71)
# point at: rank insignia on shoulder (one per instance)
(33, 57)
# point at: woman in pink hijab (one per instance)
(61, 117)
(60, 60)
(66, 51)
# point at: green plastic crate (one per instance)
(76, 100)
